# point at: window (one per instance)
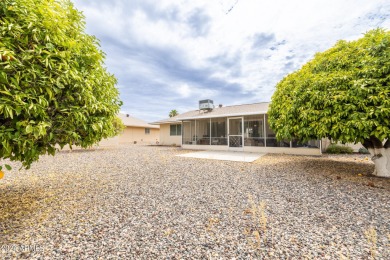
(175, 130)
(147, 131)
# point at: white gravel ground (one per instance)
(143, 202)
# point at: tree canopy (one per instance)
(342, 94)
(54, 88)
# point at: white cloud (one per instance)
(184, 90)
(233, 51)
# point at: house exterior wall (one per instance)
(166, 138)
(108, 142)
(137, 134)
(112, 141)
(252, 149)
(128, 136)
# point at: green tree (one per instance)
(342, 94)
(54, 88)
(118, 125)
(173, 113)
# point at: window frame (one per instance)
(175, 130)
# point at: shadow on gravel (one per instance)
(79, 151)
(19, 210)
(356, 171)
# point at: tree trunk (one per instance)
(380, 156)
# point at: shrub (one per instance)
(337, 149)
(363, 151)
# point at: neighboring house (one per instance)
(136, 131)
(236, 128)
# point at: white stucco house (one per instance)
(229, 128)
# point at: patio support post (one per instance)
(228, 132)
(195, 136)
(210, 133)
(242, 132)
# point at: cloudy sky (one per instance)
(169, 54)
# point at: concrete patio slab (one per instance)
(224, 156)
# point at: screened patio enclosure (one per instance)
(236, 133)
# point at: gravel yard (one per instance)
(144, 202)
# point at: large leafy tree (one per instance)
(54, 88)
(342, 94)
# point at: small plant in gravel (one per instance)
(211, 227)
(372, 239)
(211, 223)
(337, 149)
(258, 230)
(168, 232)
(344, 257)
(363, 150)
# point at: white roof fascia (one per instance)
(226, 115)
(166, 122)
(143, 126)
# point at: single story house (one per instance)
(136, 131)
(233, 128)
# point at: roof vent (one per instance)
(206, 104)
